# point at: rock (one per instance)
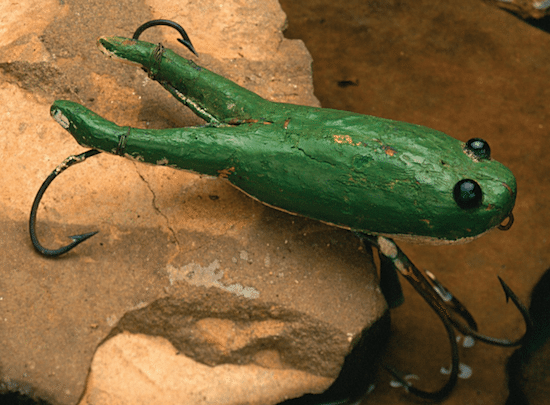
(160, 375)
(525, 8)
(264, 289)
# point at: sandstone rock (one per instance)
(525, 8)
(160, 375)
(267, 289)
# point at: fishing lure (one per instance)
(379, 178)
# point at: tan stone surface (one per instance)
(160, 375)
(166, 238)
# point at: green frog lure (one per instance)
(379, 178)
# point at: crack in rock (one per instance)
(157, 209)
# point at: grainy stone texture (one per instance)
(183, 257)
(160, 375)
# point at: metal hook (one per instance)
(452, 302)
(77, 239)
(185, 41)
(444, 391)
(471, 330)
(447, 307)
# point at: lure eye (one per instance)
(478, 148)
(467, 194)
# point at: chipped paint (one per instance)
(225, 173)
(285, 125)
(61, 119)
(192, 105)
(387, 247)
(113, 55)
(345, 139)
(389, 150)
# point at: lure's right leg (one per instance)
(212, 97)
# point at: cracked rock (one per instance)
(187, 276)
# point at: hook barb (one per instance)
(77, 239)
(184, 40)
(507, 291)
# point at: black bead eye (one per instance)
(467, 194)
(478, 148)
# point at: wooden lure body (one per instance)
(359, 172)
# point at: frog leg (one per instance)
(212, 97)
(207, 150)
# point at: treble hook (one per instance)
(447, 307)
(185, 41)
(77, 239)
(470, 330)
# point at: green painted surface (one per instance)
(355, 171)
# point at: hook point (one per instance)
(187, 43)
(507, 290)
(82, 237)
